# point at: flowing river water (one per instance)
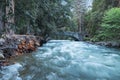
(66, 60)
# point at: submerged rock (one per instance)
(1, 56)
(2, 41)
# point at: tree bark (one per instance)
(118, 3)
(9, 15)
(1, 21)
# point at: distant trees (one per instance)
(36, 16)
(80, 7)
(94, 18)
(111, 25)
(42, 16)
(79, 12)
(26, 12)
(54, 15)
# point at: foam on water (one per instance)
(68, 60)
(11, 72)
(79, 60)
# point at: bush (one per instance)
(110, 25)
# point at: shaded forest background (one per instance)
(99, 22)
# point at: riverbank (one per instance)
(65, 60)
(15, 45)
(115, 44)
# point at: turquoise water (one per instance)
(66, 60)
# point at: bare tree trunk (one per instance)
(81, 6)
(78, 13)
(9, 15)
(1, 21)
(80, 9)
(118, 3)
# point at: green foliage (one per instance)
(42, 16)
(53, 16)
(25, 15)
(93, 19)
(111, 25)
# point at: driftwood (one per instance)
(14, 45)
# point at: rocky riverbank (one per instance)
(115, 44)
(15, 45)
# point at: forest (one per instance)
(60, 30)
(99, 22)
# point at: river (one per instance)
(66, 60)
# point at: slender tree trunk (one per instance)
(78, 14)
(1, 21)
(9, 11)
(118, 3)
(80, 9)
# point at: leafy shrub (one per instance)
(110, 25)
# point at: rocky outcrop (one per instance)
(14, 45)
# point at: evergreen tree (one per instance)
(42, 16)
(110, 25)
(94, 17)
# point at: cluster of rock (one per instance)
(109, 44)
(14, 45)
(115, 44)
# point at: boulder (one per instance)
(2, 56)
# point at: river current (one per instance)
(66, 60)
